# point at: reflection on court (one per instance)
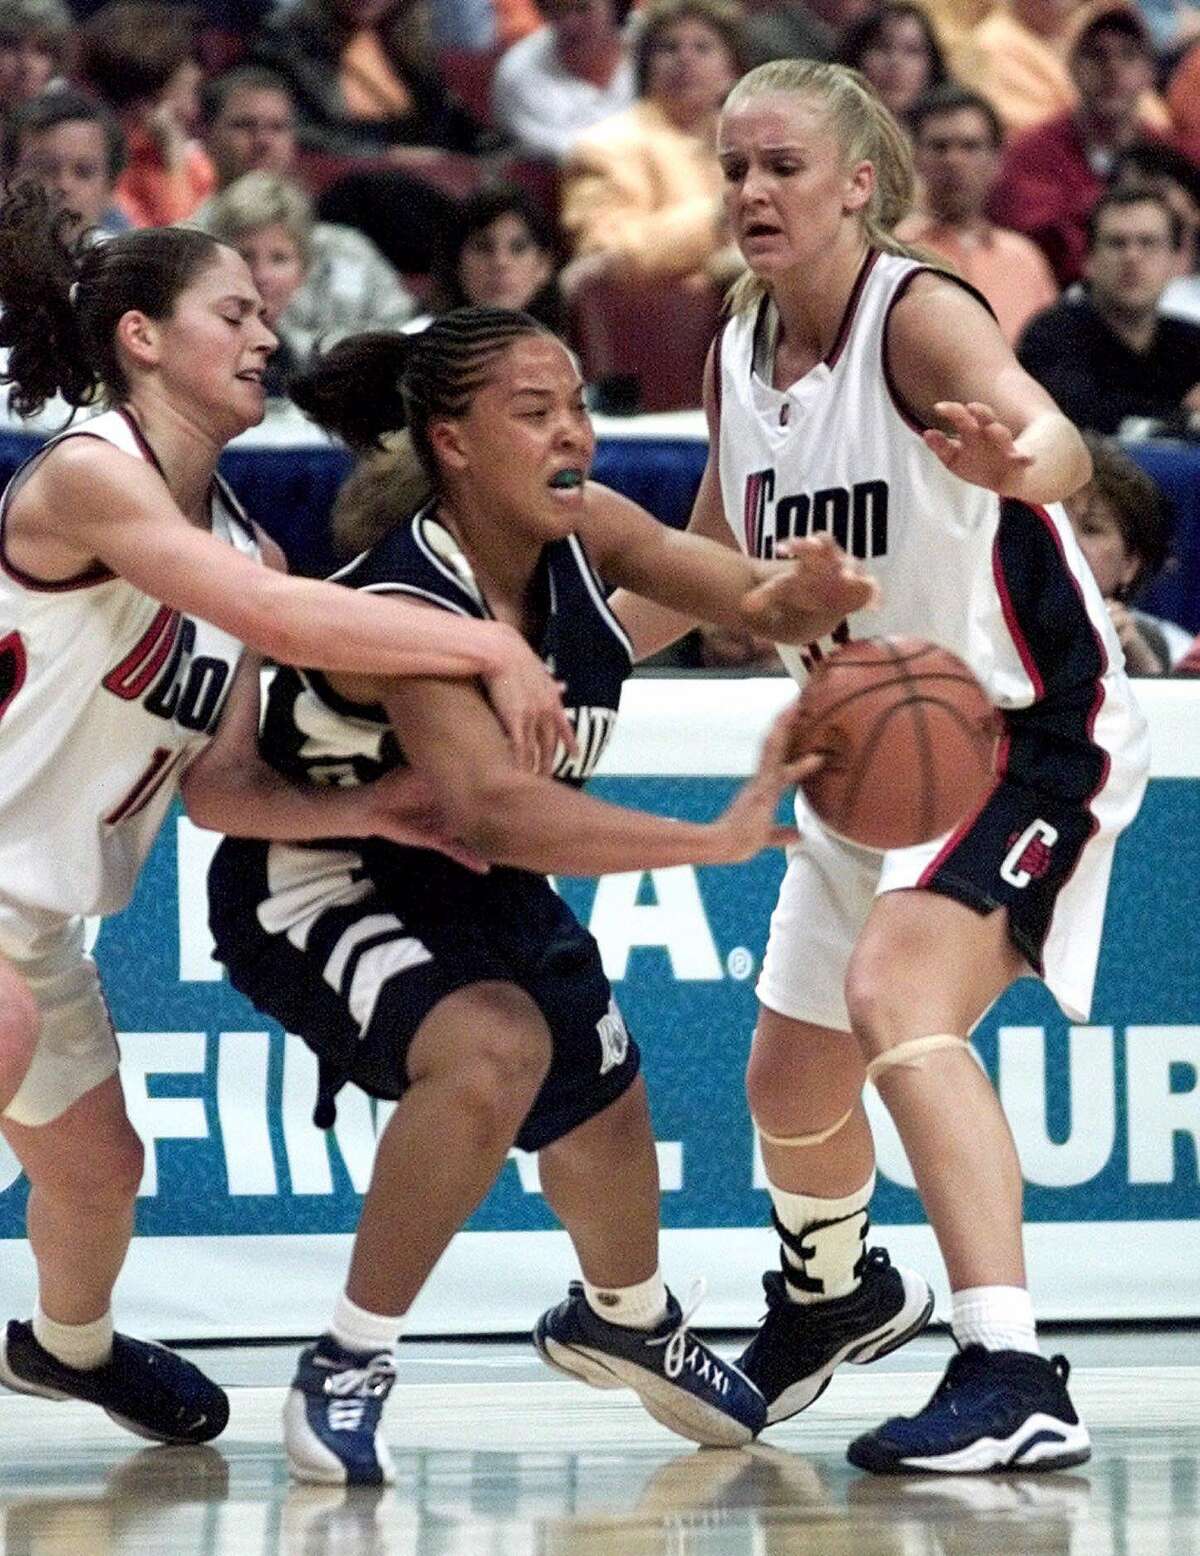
(547, 1468)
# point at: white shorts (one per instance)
(1046, 861)
(76, 1047)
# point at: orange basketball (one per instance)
(908, 736)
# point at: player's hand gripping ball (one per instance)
(907, 736)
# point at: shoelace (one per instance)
(353, 1388)
(676, 1341)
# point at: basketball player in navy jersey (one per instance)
(857, 391)
(479, 1001)
(128, 580)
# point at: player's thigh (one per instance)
(927, 963)
(488, 1040)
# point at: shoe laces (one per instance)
(675, 1339)
(351, 1390)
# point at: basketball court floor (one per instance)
(499, 1457)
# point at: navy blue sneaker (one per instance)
(679, 1380)
(993, 1410)
(143, 1387)
(800, 1344)
(331, 1417)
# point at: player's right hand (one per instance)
(805, 593)
(750, 825)
(528, 702)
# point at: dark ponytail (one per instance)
(61, 301)
(353, 389)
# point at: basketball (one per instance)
(908, 736)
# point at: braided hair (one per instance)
(380, 391)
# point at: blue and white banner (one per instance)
(246, 1210)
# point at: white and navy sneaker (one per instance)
(678, 1379)
(331, 1417)
(993, 1410)
(143, 1387)
(800, 1344)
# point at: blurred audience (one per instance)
(1177, 179)
(362, 81)
(35, 38)
(1051, 177)
(642, 190)
(957, 147)
(269, 220)
(565, 77)
(73, 146)
(501, 253)
(1120, 522)
(349, 286)
(1183, 101)
(1109, 354)
(139, 57)
(897, 50)
(1016, 56)
(787, 29)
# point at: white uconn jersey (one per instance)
(837, 451)
(104, 695)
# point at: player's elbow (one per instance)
(485, 811)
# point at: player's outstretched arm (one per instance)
(122, 513)
(521, 819)
(989, 422)
(229, 788)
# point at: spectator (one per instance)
(74, 148)
(1177, 179)
(897, 50)
(502, 253)
(642, 190)
(1110, 354)
(1121, 525)
(269, 220)
(35, 37)
(349, 285)
(1016, 57)
(790, 29)
(565, 77)
(1051, 177)
(957, 147)
(139, 57)
(360, 79)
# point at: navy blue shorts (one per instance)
(352, 959)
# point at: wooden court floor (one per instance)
(499, 1458)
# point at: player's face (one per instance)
(526, 440)
(214, 347)
(788, 190)
(1098, 531)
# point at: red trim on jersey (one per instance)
(843, 331)
(903, 409)
(13, 644)
(147, 786)
(145, 659)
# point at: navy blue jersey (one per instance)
(313, 735)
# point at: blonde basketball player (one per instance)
(129, 580)
(857, 391)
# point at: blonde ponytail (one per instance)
(866, 132)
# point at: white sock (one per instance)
(1000, 1318)
(834, 1233)
(78, 1345)
(633, 1307)
(359, 1330)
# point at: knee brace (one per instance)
(799, 1142)
(911, 1054)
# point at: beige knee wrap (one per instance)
(798, 1142)
(911, 1053)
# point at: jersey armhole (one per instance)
(905, 411)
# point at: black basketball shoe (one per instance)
(993, 1410)
(144, 1387)
(679, 1380)
(800, 1344)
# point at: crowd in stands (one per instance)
(379, 161)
